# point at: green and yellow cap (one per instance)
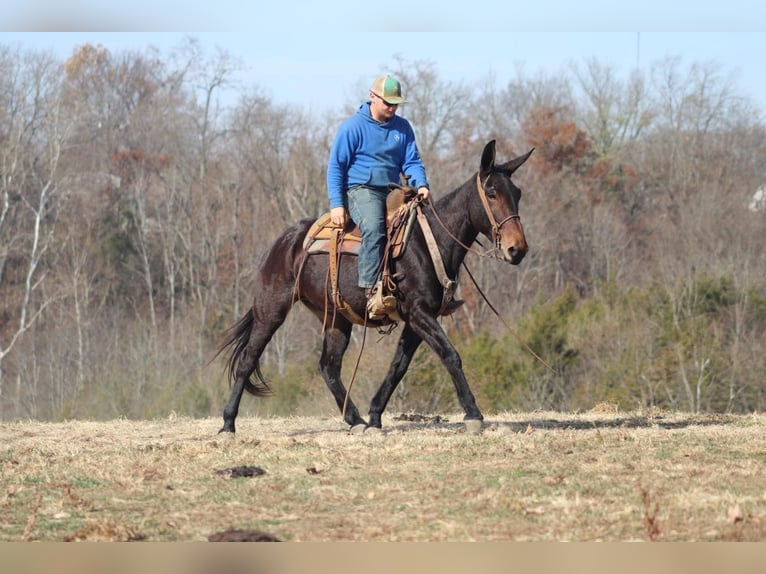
(388, 89)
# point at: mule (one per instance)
(487, 203)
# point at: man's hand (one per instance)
(424, 193)
(338, 216)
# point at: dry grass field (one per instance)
(596, 476)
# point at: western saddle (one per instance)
(326, 237)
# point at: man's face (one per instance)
(381, 110)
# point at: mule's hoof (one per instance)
(473, 426)
(357, 429)
(374, 431)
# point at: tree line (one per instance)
(138, 188)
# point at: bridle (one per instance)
(495, 227)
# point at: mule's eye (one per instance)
(490, 191)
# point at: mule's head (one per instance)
(500, 198)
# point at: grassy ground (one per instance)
(606, 476)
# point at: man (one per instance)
(371, 149)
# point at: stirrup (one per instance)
(380, 306)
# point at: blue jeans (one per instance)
(367, 208)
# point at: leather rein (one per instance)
(450, 284)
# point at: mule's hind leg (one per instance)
(334, 345)
(246, 365)
(249, 339)
(408, 344)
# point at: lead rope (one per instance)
(507, 326)
(483, 296)
(356, 366)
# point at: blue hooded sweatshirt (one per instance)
(370, 153)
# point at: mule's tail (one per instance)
(234, 344)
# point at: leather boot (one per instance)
(380, 305)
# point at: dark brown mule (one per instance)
(487, 203)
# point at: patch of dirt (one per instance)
(241, 471)
(418, 418)
(240, 535)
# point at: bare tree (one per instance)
(33, 137)
(613, 113)
(436, 108)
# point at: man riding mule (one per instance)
(371, 149)
(326, 237)
(426, 274)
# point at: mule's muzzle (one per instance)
(513, 242)
(514, 254)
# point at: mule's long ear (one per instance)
(488, 157)
(516, 163)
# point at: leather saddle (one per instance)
(326, 237)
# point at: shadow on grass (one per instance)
(629, 422)
(406, 422)
(678, 421)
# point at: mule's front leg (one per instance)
(432, 333)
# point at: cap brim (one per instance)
(396, 100)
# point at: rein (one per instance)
(490, 253)
(507, 326)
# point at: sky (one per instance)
(309, 53)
